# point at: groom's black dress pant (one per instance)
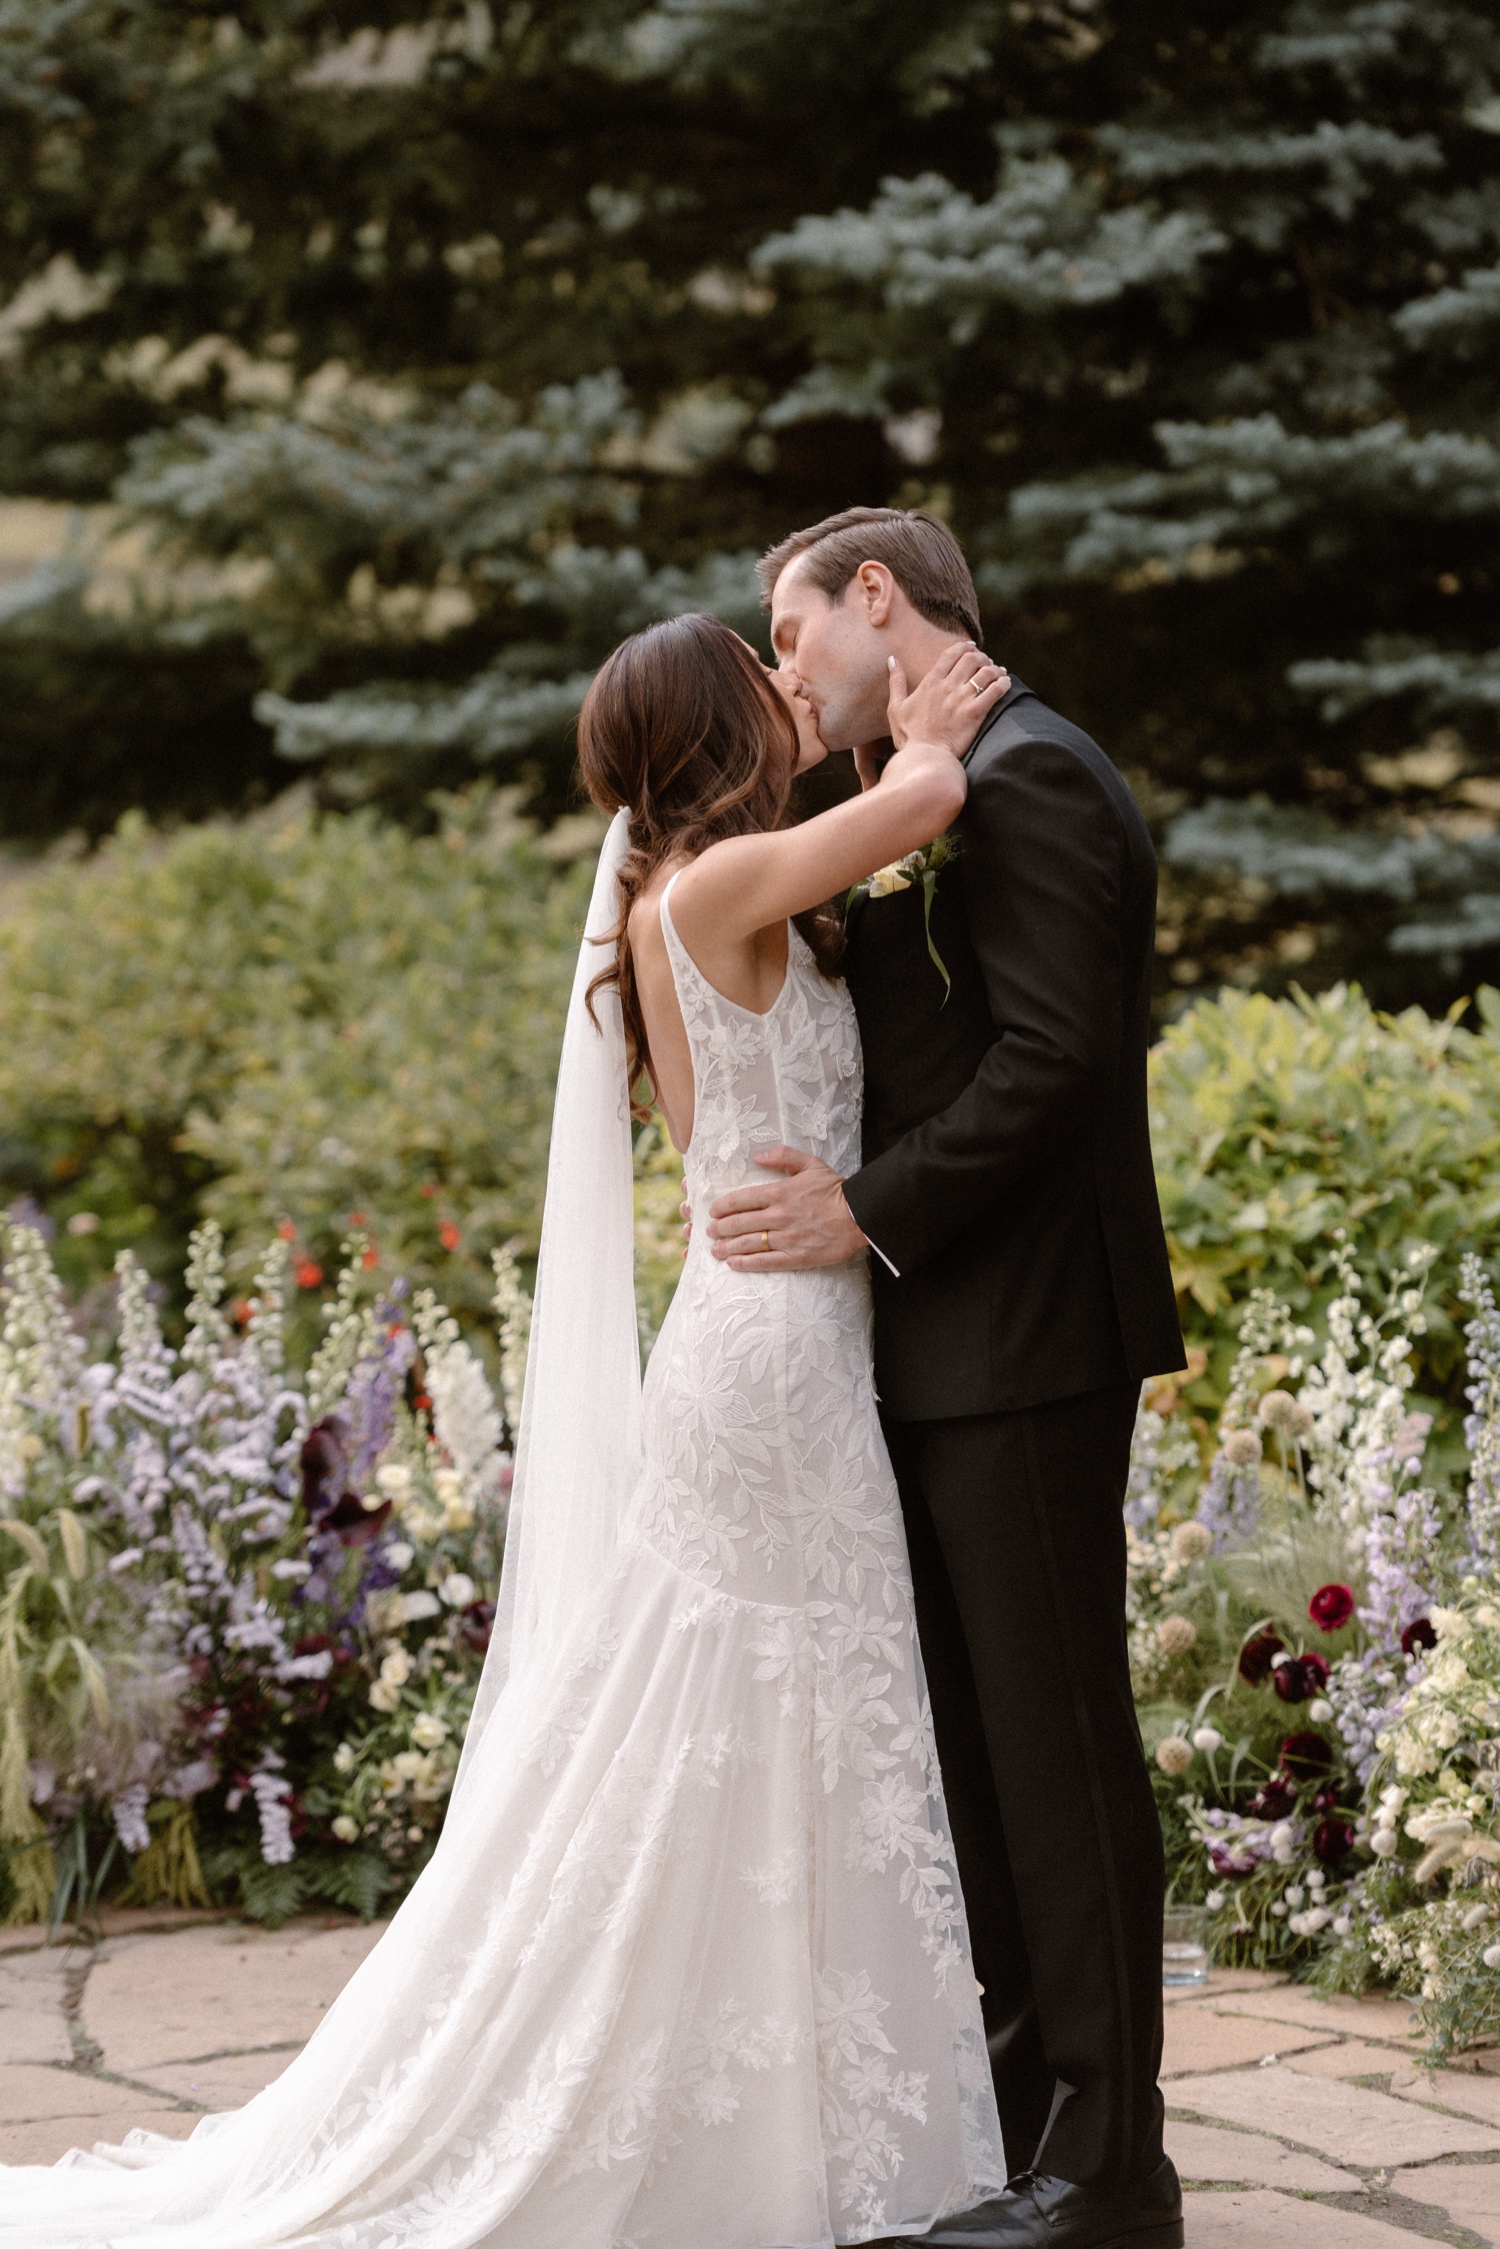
(1018, 1556)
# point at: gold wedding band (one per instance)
(765, 1241)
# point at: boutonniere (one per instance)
(922, 867)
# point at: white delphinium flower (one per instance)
(271, 1789)
(513, 1309)
(129, 1814)
(465, 1420)
(41, 1355)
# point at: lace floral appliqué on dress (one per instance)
(701, 1974)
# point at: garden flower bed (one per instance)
(244, 1606)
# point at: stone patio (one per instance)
(1293, 2120)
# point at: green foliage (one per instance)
(304, 1017)
(1276, 1123)
(433, 356)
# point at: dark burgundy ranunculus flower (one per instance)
(1326, 1800)
(1273, 1800)
(312, 1643)
(1305, 1756)
(1420, 1633)
(1314, 1671)
(1291, 1681)
(1331, 1607)
(355, 1523)
(476, 1623)
(1255, 1657)
(1332, 1841)
(325, 1465)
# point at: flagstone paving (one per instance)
(1297, 2123)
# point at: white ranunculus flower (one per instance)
(428, 1731)
(343, 1757)
(396, 1668)
(1384, 1843)
(383, 1696)
(346, 1829)
(458, 1589)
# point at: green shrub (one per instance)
(1277, 1122)
(293, 1019)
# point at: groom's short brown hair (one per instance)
(918, 549)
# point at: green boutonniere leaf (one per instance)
(918, 866)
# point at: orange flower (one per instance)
(308, 1274)
(287, 1230)
(449, 1234)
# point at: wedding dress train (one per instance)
(689, 1968)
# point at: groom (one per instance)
(1022, 1292)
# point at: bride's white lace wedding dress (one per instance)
(692, 1971)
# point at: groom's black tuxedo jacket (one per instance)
(1007, 1161)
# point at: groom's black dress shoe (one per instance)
(1038, 2212)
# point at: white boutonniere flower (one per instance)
(921, 867)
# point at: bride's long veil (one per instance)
(579, 1446)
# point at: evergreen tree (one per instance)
(424, 344)
(440, 347)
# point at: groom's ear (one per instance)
(877, 592)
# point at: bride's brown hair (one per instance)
(682, 725)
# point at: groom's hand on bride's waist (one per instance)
(801, 1213)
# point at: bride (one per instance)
(689, 1968)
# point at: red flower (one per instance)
(1255, 1657)
(370, 1257)
(1420, 1633)
(324, 1465)
(1300, 1677)
(449, 1235)
(355, 1523)
(287, 1230)
(1305, 1756)
(1332, 1841)
(1331, 1607)
(476, 1623)
(308, 1274)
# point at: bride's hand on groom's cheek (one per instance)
(802, 1216)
